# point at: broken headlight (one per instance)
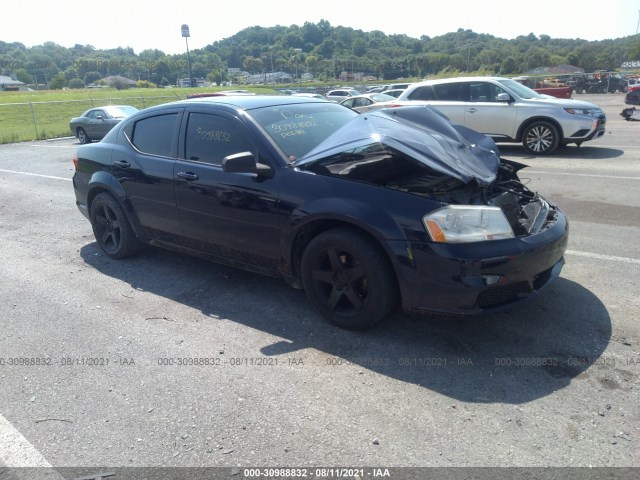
(467, 223)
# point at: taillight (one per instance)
(75, 161)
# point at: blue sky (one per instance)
(142, 25)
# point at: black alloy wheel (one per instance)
(111, 227)
(348, 279)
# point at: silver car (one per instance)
(95, 123)
(508, 111)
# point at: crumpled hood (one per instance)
(422, 133)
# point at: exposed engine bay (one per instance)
(418, 151)
(526, 211)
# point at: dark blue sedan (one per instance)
(362, 211)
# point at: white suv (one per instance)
(341, 94)
(508, 111)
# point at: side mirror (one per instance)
(503, 97)
(245, 162)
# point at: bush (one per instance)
(145, 84)
(76, 83)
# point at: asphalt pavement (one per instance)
(166, 360)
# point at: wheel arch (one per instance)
(312, 228)
(535, 119)
(103, 182)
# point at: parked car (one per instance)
(308, 95)
(341, 94)
(630, 82)
(95, 123)
(395, 92)
(221, 93)
(359, 102)
(632, 97)
(395, 86)
(362, 211)
(511, 112)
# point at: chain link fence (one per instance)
(20, 122)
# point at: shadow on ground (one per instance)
(517, 152)
(513, 357)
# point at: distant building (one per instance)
(557, 70)
(8, 84)
(197, 82)
(267, 78)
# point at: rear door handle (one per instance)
(122, 163)
(472, 110)
(188, 176)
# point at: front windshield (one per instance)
(520, 90)
(299, 128)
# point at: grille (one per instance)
(503, 294)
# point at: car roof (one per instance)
(244, 102)
(456, 79)
(103, 107)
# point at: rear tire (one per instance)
(83, 137)
(348, 279)
(111, 227)
(540, 138)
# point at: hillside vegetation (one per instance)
(319, 49)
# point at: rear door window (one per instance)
(156, 135)
(452, 92)
(424, 92)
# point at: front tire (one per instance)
(83, 137)
(111, 227)
(540, 138)
(348, 279)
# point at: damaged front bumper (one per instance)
(480, 277)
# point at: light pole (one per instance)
(273, 80)
(298, 51)
(185, 34)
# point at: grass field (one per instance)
(40, 115)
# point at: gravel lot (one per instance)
(165, 360)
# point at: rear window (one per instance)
(423, 93)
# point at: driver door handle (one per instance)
(188, 176)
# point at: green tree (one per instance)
(359, 47)
(252, 64)
(58, 81)
(23, 76)
(92, 77)
(76, 83)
